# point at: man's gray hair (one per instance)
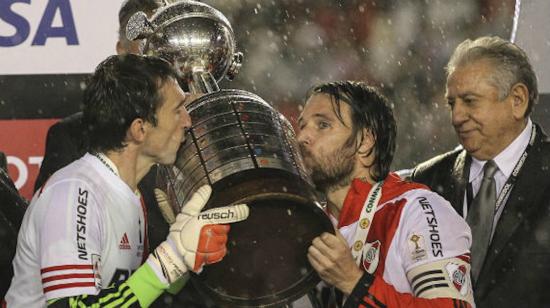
(511, 64)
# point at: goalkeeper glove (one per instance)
(196, 238)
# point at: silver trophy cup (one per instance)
(247, 151)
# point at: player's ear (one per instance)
(137, 130)
(366, 142)
(120, 48)
(365, 150)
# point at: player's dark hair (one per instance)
(370, 110)
(122, 89)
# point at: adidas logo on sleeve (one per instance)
(124, 243)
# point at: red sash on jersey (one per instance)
(393, 186)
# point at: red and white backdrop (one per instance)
(47, 48)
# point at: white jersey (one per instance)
(416, 243)
(85, 230)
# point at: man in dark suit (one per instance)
(12, 209)
(499, 179)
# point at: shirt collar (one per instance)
(507, 159)
(109, 164)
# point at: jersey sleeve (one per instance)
(373, 291)
(70, 240)
(433, 244)
(431, 230)
(140, 290)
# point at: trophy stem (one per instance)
(203, 82)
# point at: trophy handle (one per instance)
(203, 82)
(235, 66)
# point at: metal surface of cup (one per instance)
(191, 35)
(235, 130)
(247, 152)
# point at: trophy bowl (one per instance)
(191, 35)
(247, 152)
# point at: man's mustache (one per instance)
(305, 151)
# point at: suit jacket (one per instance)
(12, 210)
(516, 270)
(65, 143)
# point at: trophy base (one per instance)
(266, 264)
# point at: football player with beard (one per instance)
(397, 243)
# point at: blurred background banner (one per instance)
(531, 32)
(56, 36)
(24, 142)
(288, 45)
(46, 49)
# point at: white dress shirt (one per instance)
(506, 161)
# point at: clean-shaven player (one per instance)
(83, 240)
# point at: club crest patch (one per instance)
(370, 256)
(459, 277)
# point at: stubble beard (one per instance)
(331, 171)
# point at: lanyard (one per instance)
(507, 188)
(514, 176)
(107, 162)
(365, 220)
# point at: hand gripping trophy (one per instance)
(246, 151)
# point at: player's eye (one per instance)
(323, 125)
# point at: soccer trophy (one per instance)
(247, 152)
